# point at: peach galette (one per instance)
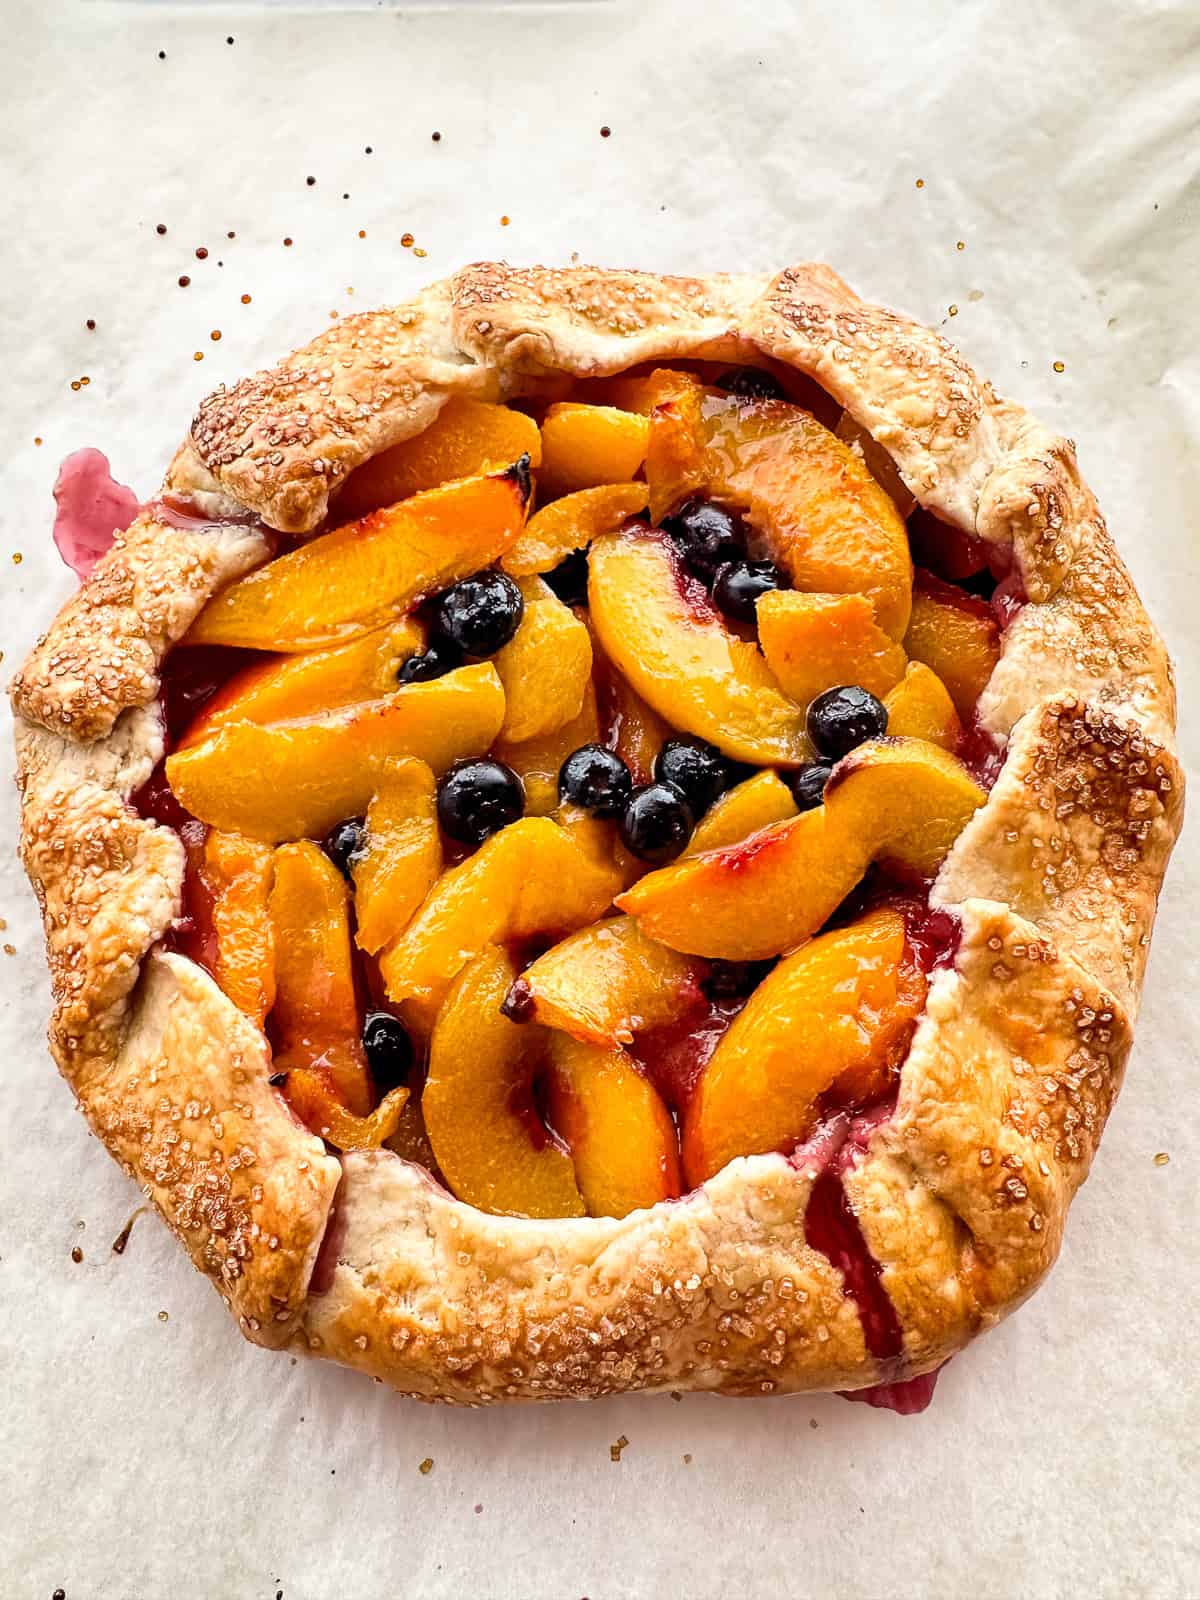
(601, 833)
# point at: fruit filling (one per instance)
(565, 809)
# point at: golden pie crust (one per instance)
(962, 1195)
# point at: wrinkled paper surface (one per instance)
(1034, 167)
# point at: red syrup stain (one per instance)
(190, 677)
(831, 1227)
(92, 509)
(981, 752)
(907, 1397)
(674, 1055)
(523, 1105)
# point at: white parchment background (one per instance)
(146, 1450)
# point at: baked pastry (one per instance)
(884, 855)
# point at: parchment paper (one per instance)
(1033, 165)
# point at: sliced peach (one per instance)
(628, 725)
(607, 983)
(298, 686)
(757, 803)
(911, 799)
(537, 761)
(402, 854)
(289, 780)
(369, 572)
(315, 1016)
(489, 1142)
(467, 439)
(811, 501)
(895, 799)
(619, 1132)
(920, 707)
(238, 872)
(835, 1017)
(600, 840)
(311, 1097)
(660, 631)
(814, 642)
(584, 446)
(545, 667)
(529, 880)
(956, 635)
(570, 524)
(643, 392)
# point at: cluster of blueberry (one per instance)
(711, 541)
(476, 617)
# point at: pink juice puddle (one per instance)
(92, 509)
(908, 1398)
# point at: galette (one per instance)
(601, 833)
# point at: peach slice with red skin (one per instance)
(545, 667)
(570, 524)
(814, 642)
(920, 707)
(291, 780)
(468, 438)
(812, 504)
(607, 983)
(956, 635)
(489, 1143)
(238, 874)
(401, 858)
(537, 761)
(527, 881)
(892, 799)
(756, 803)
(370, 572)
(659, 629)
(315, 1016)
(584, 446)
(834, 1018)
(286, 687)
(620, 1134)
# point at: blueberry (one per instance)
(596, 779)
(739, 584)
(477, 798)
(346, 844)
(657, 823)
(808, 784)
(707, 535)
(439, 658)
(751, 383)
(480, 614)
(696, 769)
(388, 1049)
(842, 718)
(569, 579)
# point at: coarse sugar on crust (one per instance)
(961, 1195)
